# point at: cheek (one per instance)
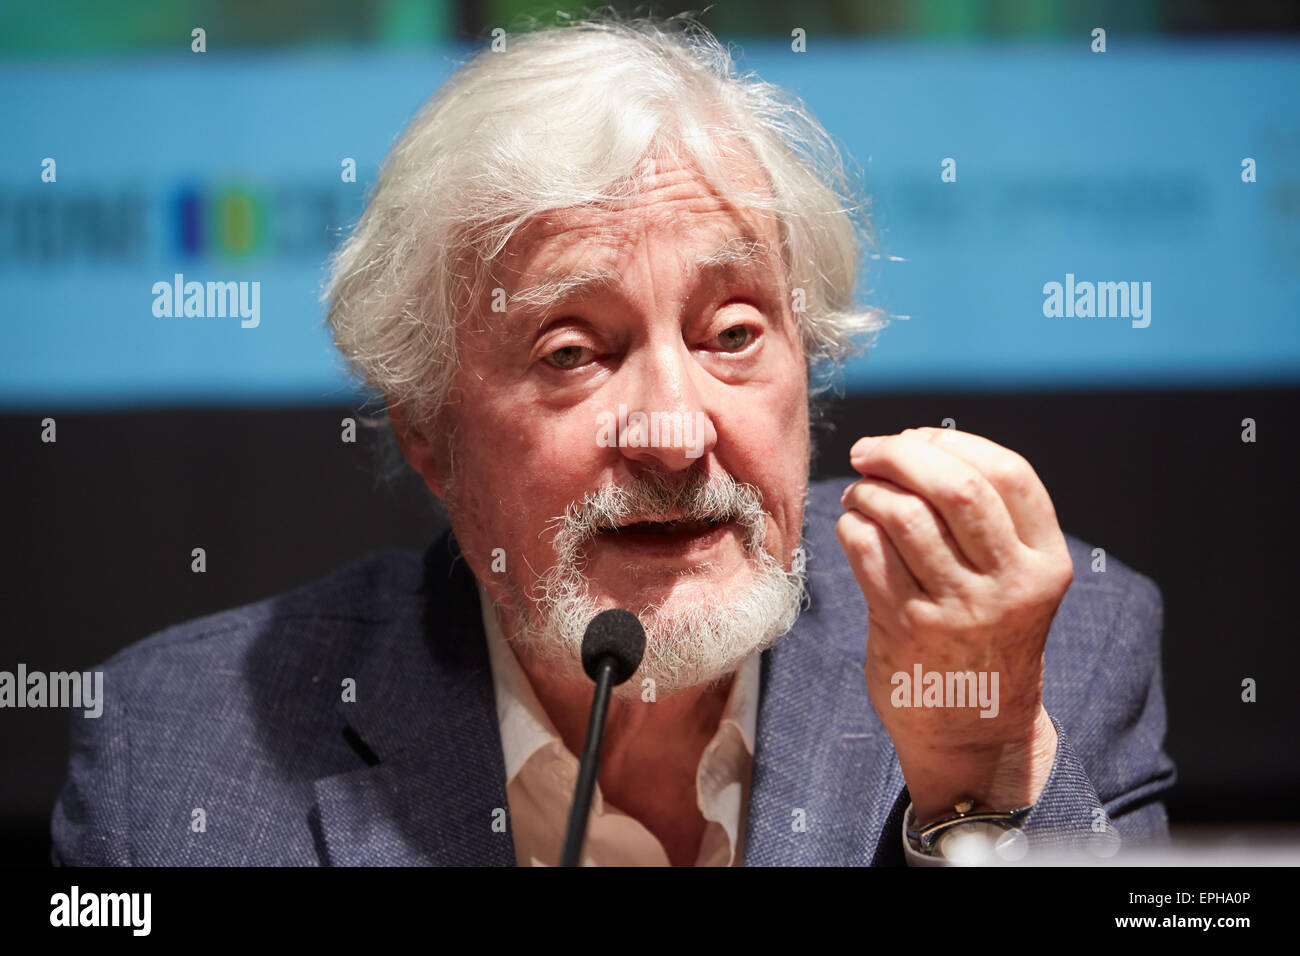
(766, 444)
(789, 431)
(514, 477)
(770, 429)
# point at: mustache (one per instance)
(661, 496)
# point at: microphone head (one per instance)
(614, 633)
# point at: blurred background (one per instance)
(1173, 157)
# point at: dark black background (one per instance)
(100, 526)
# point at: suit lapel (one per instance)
(432, 791)
(826, 783)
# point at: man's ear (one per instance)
(420, 453)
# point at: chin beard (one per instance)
(690, 640)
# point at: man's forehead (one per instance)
(707, 254)
(600, 230)
(590, 248)
(672, 197)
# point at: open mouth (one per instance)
(676, 526)
(677, 537)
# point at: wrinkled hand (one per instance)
(956, 546)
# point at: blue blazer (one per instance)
(227, 741)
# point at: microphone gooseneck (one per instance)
(612, 648)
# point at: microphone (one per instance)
(612, 648)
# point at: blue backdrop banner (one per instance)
(1044, 216)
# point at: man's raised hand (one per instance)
(955, 544)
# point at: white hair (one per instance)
(566, 116)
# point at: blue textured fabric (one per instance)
(241, 715)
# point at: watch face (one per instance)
(971, 844)
(1012, 845)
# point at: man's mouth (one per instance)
(675, 526)
(677, 535)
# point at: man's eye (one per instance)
(734, 339)
(571, 356)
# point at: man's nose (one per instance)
(668, 425)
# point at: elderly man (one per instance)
(594, 287)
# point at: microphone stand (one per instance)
(589, 768)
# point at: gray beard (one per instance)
(685, 646)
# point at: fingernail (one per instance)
(862, 446)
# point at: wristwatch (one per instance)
(967, 837)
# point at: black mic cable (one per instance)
(612, 648)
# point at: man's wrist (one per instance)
(996, 778)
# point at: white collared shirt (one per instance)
(541, 773)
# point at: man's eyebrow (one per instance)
(558, 287)
(736, 251)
